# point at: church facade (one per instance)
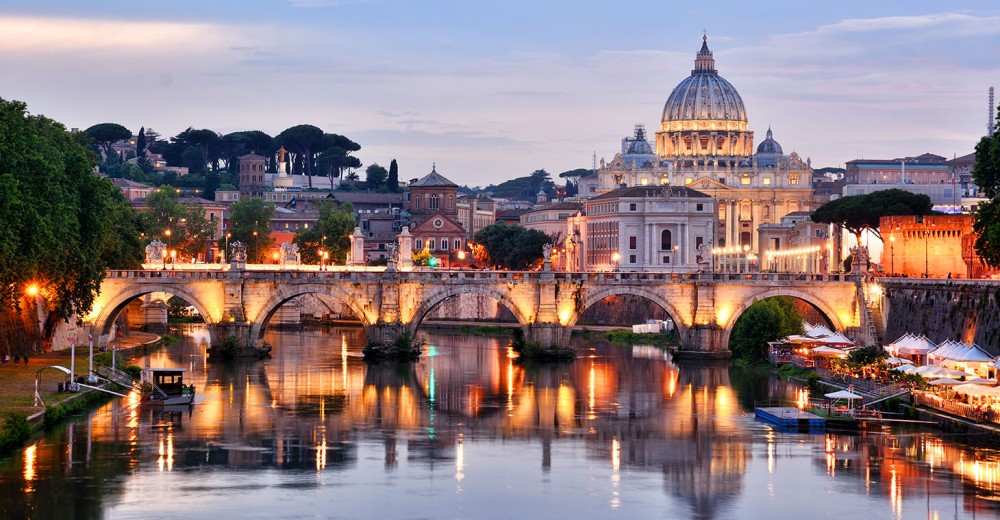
(705, 143)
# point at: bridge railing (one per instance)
(485, 276)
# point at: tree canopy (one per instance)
(62, 225)
(331, 234)
(508, 247)
(857, 213)
(250, 223)
(107, 134)
(765, 320)
(986, 222)
(526, 188)
(190, 231)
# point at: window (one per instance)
(432, 244)
(666, 259)
(745, 211)
(458, 244)
(699, 207)
(688, 180)
(631, 259)
(698, 241)
(236, 196)
(284, 198)
(767, 181)
(419, 243)
(793, 178)
(666, 240)
(745, 180)
(435, 202)
(631, 207)
(632, 242)
(286, 225)
(644, 181)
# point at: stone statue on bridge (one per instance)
(704, 258)
(289, 253)
(155, 251)
(238, 253)
(859, 259)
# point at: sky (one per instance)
(495, 90)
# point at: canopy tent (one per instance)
(955, 351)
(976, 390)
(824, 350)
(915, 345)
(892, 360)
(906, 369)
(842, 394)
(946, 382)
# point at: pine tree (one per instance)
(393, 181)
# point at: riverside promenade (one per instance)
(17, 382)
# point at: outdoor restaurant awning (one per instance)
(842, 394)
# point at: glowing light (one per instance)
(616, 453)
(30, 458)
(32, 290)
(722, 314)
(459, 458)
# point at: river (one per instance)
(622, 432)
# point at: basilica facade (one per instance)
(705, 143)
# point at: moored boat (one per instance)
(165, 386)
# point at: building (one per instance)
(642, 228)
(705, 143)
(935, 246)
(475, 213)
(925, 174)
(434, 217)
(252, 170)
(796, 243)
(551, 218)
(133, 190)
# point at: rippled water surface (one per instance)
(622, 432)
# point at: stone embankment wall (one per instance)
(964, 311)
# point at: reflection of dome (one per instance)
(769, 145)
(704, 95)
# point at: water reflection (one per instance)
(620, 428)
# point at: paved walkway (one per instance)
(17, 382)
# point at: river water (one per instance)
(622, 432)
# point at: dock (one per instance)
(790, 417)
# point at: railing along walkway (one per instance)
(871, 391)
(966, 411)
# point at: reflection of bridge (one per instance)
(547, 304)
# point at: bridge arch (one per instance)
(433, 298)
(116, 303)
(592, 297)
(288, 292)
(821, 305)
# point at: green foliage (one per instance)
(422, 257)
(60, 221)
(189, 229)
(133, 370)
(509, 247)
(525, 188)
(986, 223)
(230, 347)
(15, 431)
(107, 134)
(765, 320)
(375, 176)
(628, 337)
(330, 234)
(392, 181)
(859, 212)
(870, 355)
(250, 223)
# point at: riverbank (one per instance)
(17, 387)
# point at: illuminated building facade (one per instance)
(705, 143)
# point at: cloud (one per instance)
(37, 35)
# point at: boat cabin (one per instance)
(170, 380)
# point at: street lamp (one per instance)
(323, 257)
(173, 258)
(616, 259)
(255, 241)
(673, 258)
(167, 233)
(461, 259)
(228, 234)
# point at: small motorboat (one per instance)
(165, 386)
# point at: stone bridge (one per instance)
(547, 304)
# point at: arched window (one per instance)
(666, 240)
(435, 202)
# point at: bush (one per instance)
(16, 431)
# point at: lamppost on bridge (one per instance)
(255, 239)
(616, 259)
(167, 233)
(173, 258)
(228, 234)
(323, 256)
(673, 258)
(461, 259)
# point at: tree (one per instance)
(375, 176)
(986, 223)
(303, 142)
(765, 320)
(200, 148)
(526, 188)
(856, 213)
(107, 134)
(190, 231)
(61, 223)
(509, 247)
(250, 223)
(392, 182)
(336, 156)
(142, 160)
(331, 234)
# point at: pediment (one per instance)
(430, 225)
(706, 183)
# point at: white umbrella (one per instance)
(843, 394)
(828, 351)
